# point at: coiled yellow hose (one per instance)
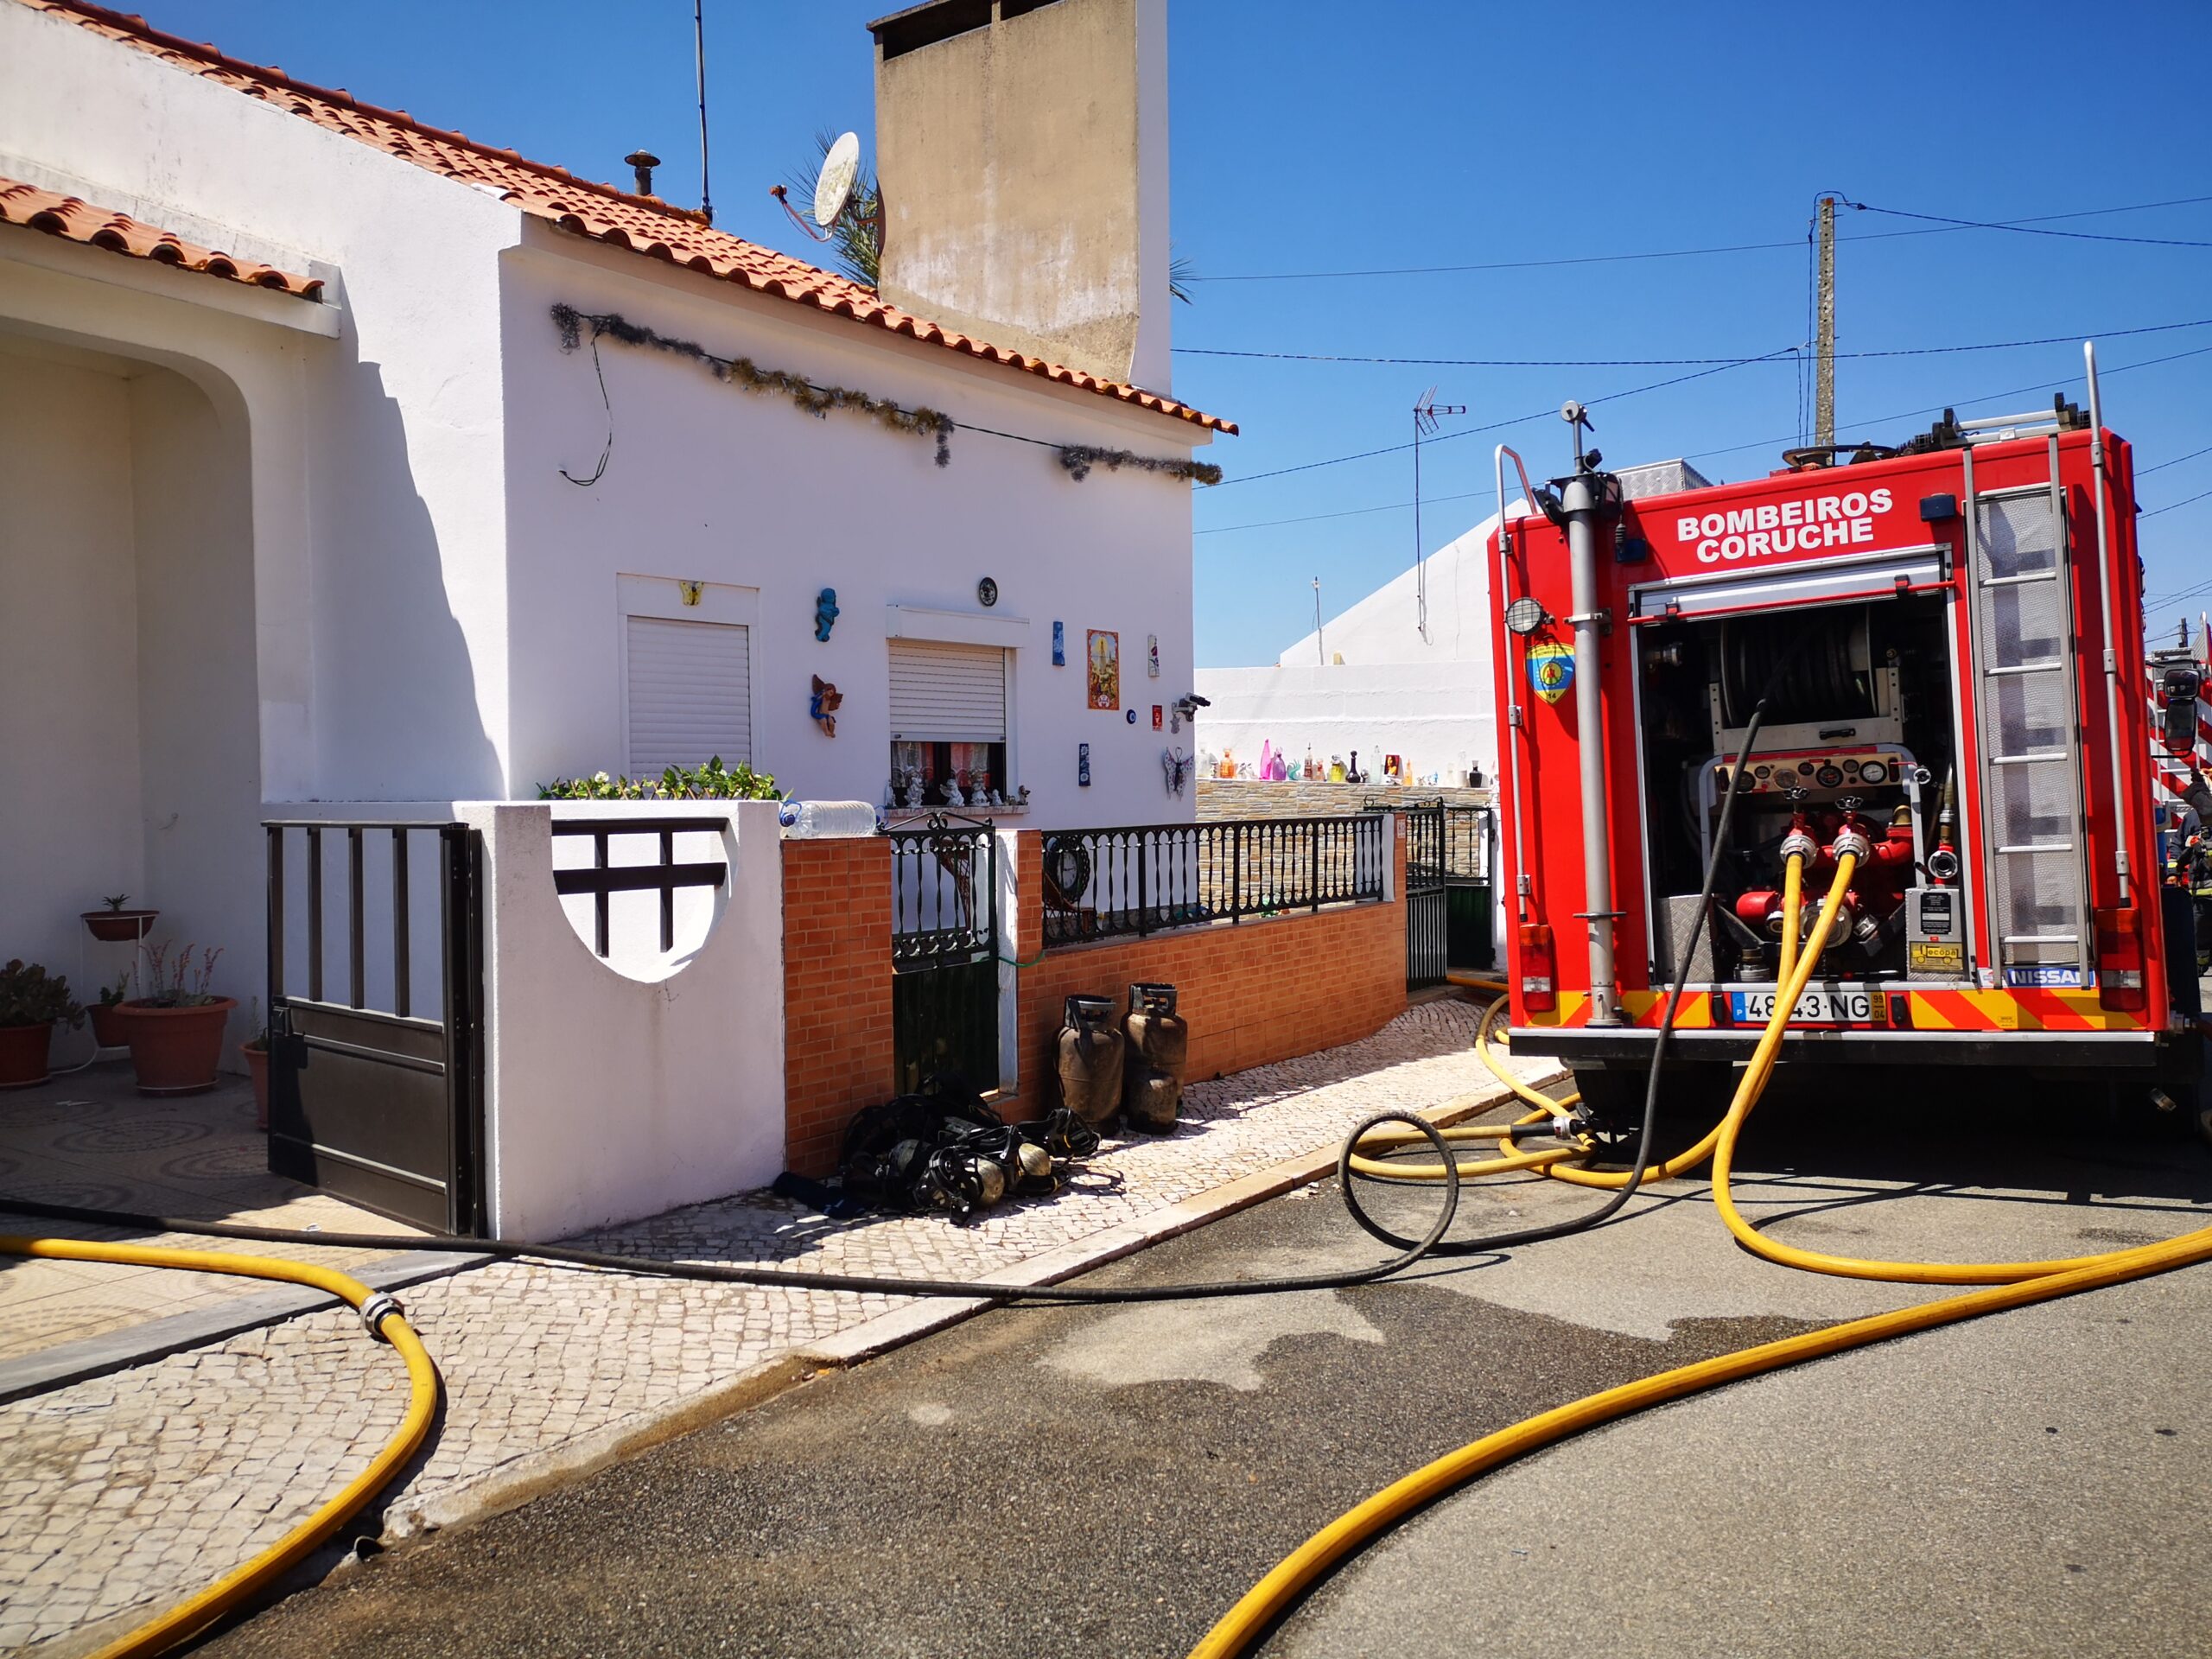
(187, 1619)
(2017, 1284)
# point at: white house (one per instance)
(1405, 671)
(452, 473)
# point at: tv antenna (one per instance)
(1425, 412)
(833, 189)
(699, 46)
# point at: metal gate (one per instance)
(1427, 914)
(369, 1098)
(1470, 841)
(945, 982)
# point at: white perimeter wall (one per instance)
(709, 482)
(1396, 690)
(609, 1096)
(1437, 715)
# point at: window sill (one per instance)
(900, 815)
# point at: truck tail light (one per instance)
(1539, 976)
(2119, 961)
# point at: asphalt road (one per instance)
(1107, 1482)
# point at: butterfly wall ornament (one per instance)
(824, 705)
(1176, 765)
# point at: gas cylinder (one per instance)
(1090, 1060)
(1159, 1043)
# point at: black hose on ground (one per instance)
(792, 1279)
(1410, 1251)
(1611, 1206)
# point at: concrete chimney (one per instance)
(1022, 149)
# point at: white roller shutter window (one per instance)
(947, 693)
(690, 694)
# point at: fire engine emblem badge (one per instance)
(1550, 670)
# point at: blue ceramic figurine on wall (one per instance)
(825, 612)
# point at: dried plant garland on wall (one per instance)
(915, 420)
(745, 374)
(1080, 458)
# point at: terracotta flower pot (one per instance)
(256, 1066)
(175, 1051)
(23, 1055)
(119, 926)
(107, 1020)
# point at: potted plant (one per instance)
(31, 1004)
(113, 924)
(107, 1012)
(175, 1031)
(255, 1051)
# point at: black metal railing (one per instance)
(944, 891)
(945, 981)
(1102, 884)
(602, 879)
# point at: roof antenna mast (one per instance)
(699, 45)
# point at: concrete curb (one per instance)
(903, 1324)
(140, 1344)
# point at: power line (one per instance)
(1675, 362)
(2025, 229)
(2171, 505)
(2144, 472)
(1762, 443)
(1938, 408)
(1349, 512)
(2161, 599)
(1517, 420)
(1944, 229)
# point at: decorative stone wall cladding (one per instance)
(1253, 992)
(837, 1037)
(1248, 797)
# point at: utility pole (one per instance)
(1425, 409)
(1824, 371)
(1320, 645)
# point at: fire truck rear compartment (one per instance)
(1859, 751)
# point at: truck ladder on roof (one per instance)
(2029, 731)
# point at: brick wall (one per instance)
(1253, 992)
(1248, 797)
(837, 1037)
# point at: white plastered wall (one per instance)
(708, 482)
(378, 518)
(609, 1096)
(1425, 697)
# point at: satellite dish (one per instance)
(833, 186)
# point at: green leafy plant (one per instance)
(183, 983)
(115, 901)
(712, 782)
(112, 995)
(31, 996)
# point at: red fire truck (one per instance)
(1947, 638)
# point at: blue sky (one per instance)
(1313, 136)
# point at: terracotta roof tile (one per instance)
(103, 227)
(644, 225)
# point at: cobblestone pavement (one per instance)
(120, 1494)
(91, 1140)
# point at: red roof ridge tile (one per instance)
(74, 219)
(669, 234)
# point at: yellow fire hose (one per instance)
(2015, 1284)
(382, 1315)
